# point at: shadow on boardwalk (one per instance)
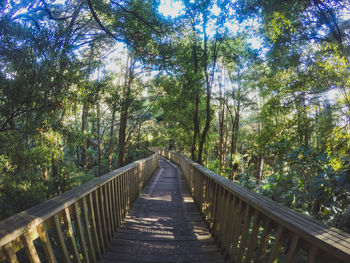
(164, 225)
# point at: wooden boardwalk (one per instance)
(164, 225)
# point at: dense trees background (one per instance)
(256, 90)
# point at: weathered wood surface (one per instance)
(266, 230)
(164, 225)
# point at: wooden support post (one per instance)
(94, 205)
(45, 240)
(264, 240)
(30, 248)
(254, 237)
(71, 237)
(56, 222)
(79, 231)
(10, 253)
(92, 245)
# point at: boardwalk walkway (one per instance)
(164, 225)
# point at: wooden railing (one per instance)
(251, 228)
(77, 225)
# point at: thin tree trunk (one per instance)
(221, 133)
(98, 113)
(124, 111)
(55, 176)
(208, 89)
(84, 130)
(260, 165)
(111, 141)
(197, 101)
(122, 136)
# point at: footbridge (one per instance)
(166, 208)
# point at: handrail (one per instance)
(251, 228)
(78, 224)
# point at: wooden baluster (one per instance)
(46, 243)
(212, 204)
(215, 201)
(111, 211)
(123, 193)
(219, 217)
(79, 230)
(206, 199)
(264, 240)
(231, 219)
(104, 223)
(128, 187)
(225, 220)
(56, 222)
(292, 250)
(277, 246)
(134, 184)
(114, 204)
(118, 196)
(95, 206)
(70, 235)
(30, 248)
(91, 246)
(254, 237)
(245, 233)
(10, 253)
(105, 196)
(237, 228)
(312, 254)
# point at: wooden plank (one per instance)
(30, 248)
(111, 207)
(56, 223)
(118, 201)
(99, 221)
(253, 238)
(122, 196)
(237, 228)
(114, 204)
(226, 221)
(70, 235)
(10, 253)
(264, 240)
(93, 243)
(245, 233)
(230, 222)
(215, 200)
(292, 250)
(277, 246)
(219, 216)
(46, 243)
(106, 210)
(79, 230)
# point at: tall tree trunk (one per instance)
(221, 133)
(260, 162)
(129, 74)
(208, 82)
(260, 165)
(111, 141)
(197, 101)
(98, 116)
(122, 136)
(55, 175)
(84, 130)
